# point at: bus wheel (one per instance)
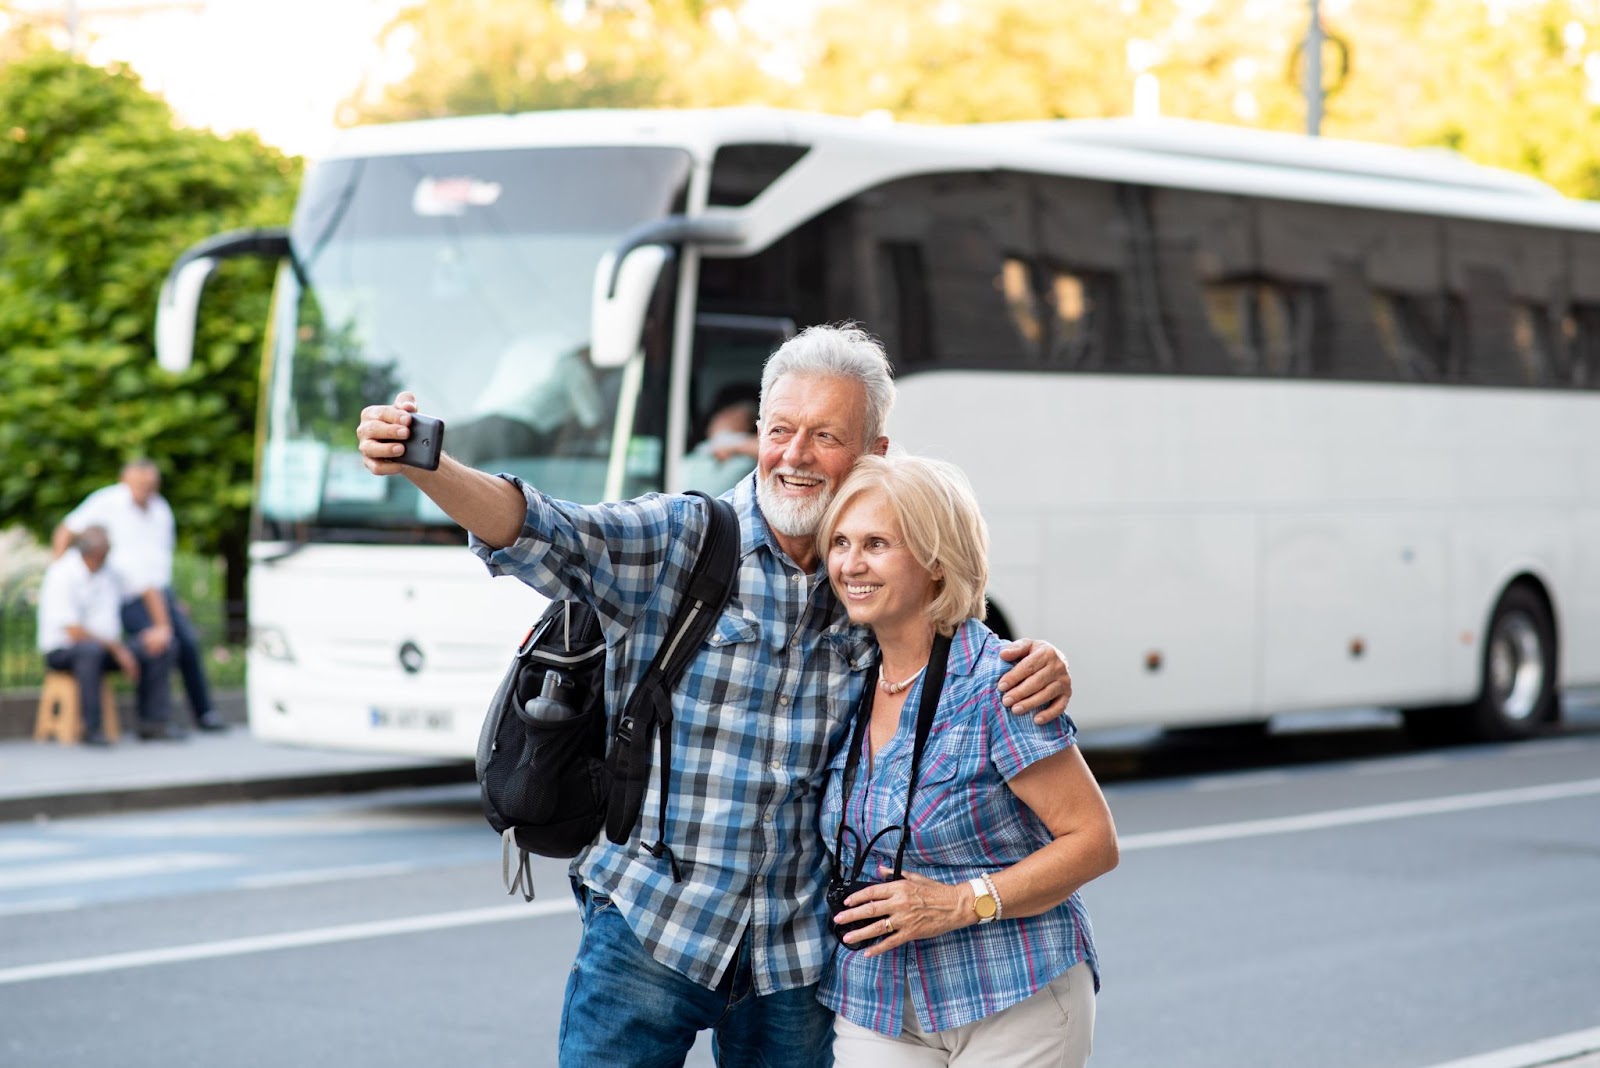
(1517, 692)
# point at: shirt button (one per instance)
(775, 765)
(783, 699)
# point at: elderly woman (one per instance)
(962, 941)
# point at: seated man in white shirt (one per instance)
(143, 536)
(80, 630)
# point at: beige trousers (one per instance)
(1052, 1029)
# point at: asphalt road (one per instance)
(1379, 906)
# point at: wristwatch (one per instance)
(983, 902)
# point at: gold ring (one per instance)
(888, 925)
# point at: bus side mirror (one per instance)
(176, 312)
(178, 306)
(621, 300)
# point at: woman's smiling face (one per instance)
(872, 570)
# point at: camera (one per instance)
(837, 891)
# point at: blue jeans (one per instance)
(625, 1009)
(185, 640)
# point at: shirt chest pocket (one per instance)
(734, 667)
(943, 810)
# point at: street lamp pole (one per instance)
(1313, 72)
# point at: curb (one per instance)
(137, 798)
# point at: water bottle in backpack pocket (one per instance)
(541, 756)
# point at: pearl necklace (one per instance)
(892, 688)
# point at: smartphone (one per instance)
(425, 443)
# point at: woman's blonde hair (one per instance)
(940, 522)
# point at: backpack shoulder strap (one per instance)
(649, 707)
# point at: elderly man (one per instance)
(143, 535)
(737, 944)
(80, 631)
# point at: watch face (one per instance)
(984, 906)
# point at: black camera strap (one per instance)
(932, 686)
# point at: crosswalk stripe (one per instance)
(30, 850)
(99, 869)
(234, 947)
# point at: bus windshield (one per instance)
(466, 278)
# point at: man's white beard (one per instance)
(792, 517)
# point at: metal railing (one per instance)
(22, 667)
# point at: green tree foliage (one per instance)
(99, 193)
(1512, 83)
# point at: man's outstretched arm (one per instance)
(489, 507)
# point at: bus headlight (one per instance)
(271, 643)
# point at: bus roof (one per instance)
(850, 155)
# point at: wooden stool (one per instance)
(59, 715)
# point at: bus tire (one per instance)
(1517, 696)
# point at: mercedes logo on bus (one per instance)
(411, 658)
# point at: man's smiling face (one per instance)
(812, 432)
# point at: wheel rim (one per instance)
(1516, 667)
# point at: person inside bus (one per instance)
(80, 631)
(1008, 820)
(728, 451)
(738, 944)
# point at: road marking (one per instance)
(1399, 764)
(52, 904)
(1545, 1051)
(80, 871)
(1346, 817)
(289, 826)
(23, 850)
(320, 936)
(1240, 780)
(322, 875)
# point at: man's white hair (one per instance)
(841, 351)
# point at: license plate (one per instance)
(411, 719)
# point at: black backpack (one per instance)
(547, 778)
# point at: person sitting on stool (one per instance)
(80, 630)
(143, 536)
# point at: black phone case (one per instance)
(425, 444)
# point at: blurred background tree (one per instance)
(99, 193)
(474, 57)
(1512, 83)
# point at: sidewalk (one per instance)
(42, 780)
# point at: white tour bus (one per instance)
(1259, 423)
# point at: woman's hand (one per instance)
(905, 910)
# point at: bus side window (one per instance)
(1064, 316)
(1361, 342)
(903, 301)
(1533, 345)
(1491, 353)
(1083, 317)
(1269, 328)
(1580, 335)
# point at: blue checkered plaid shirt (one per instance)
(756, 718)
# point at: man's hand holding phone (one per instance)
(393, 436)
